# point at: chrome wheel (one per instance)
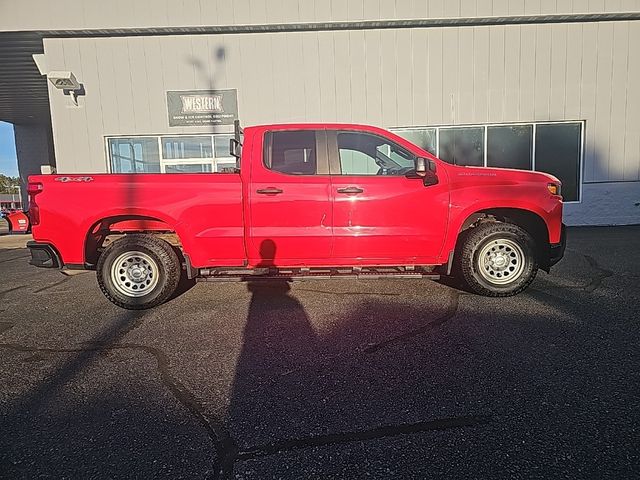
(134, 274)
(501, 261)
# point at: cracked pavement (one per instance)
(326, 378)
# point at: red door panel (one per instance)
(394, 220)
(291, 217)
(379, 215)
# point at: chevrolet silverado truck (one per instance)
(304, 201)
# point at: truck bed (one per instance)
(205, 211)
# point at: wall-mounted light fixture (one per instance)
(63, 80)
(67, 82)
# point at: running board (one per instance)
(250, 275)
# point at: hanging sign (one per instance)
(202, 107)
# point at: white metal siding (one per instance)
(399, 77)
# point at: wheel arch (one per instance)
(107, 229)
(528, 220)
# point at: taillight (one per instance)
(34, 188)
(34, 211)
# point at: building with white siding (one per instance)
(551, 85)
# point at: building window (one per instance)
(462, 146)
(221, 143)
(186, 147)
(170, 154)
(425, 138)
(134, 155)
(550, 147)
(510, 146)
(558, 151)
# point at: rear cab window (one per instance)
(296, 152)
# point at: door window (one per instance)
(367, 154)
(291, 152)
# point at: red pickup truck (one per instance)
(305, 201)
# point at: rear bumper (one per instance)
(556, 250)
(44, 255)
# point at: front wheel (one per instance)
(496, 259)
(138, 272)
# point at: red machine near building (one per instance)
(18, 221)
(307, 200)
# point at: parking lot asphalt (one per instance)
(326, 378)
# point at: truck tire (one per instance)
(138, 271)
(496, 259)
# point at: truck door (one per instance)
(380, 216)
(289, 197)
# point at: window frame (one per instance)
(582, 123)
(164, 162)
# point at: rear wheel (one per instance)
(138, 272)
(496, 259)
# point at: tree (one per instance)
(9, 184)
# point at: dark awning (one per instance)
(24, 97)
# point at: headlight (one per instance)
(555, 188)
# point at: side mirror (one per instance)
(430, 179)
(421, 167)
(426, 170)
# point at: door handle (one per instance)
(269, 191)
(349, 190)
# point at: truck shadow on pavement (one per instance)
(288, 376)
(368, 380)
(309, 387)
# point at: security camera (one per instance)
(63, 80)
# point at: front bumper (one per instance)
(556, 250)
(44, 255)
